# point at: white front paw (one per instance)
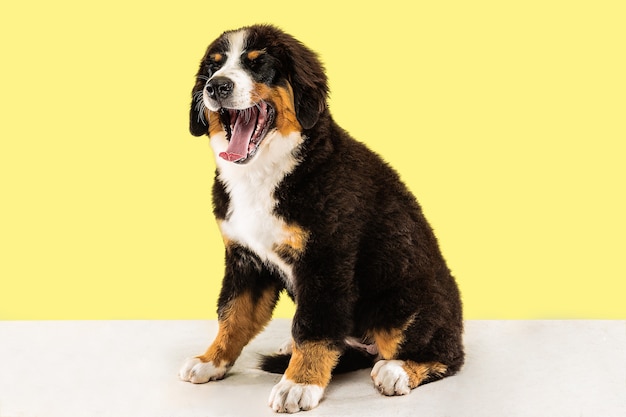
(390, 378)
(290, 397)
(198, 372)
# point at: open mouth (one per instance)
(245, 130)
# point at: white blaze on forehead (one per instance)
(236, 41)
(241, 96)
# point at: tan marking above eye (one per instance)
(216, 57)
(252, 55)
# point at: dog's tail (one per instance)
(350, 360)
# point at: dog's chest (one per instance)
(251, 220)
(252, 223)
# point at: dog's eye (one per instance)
(254, 59)
(213, 63)
(259, 62)
(214, 66)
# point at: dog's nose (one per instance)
(219, 87)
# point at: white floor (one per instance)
(128, 368)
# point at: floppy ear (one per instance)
(198, 125)
(309, 83)
(309, 105)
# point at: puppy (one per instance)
(303, 207)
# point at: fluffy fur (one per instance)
(303, 207)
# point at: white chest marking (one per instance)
(250, 220)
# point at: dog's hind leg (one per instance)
(399, 377)
(410, 358)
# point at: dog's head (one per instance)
(254, 83)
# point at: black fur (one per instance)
(376, 260)
(350, 360)
(372, 261)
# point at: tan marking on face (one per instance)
(216, 57)
(390, 340)
(281, 98)
(215, 125)
(312, 363)
(238, 323)
(419, 372)
(252, 55)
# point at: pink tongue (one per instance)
(239, 139)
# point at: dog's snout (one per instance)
(219, 88)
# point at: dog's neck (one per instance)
(276, 159)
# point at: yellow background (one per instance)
(506, 118)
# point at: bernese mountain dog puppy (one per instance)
(303, 207)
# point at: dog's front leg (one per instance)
(247, 300)
(309, 372)
(242, 320)
(322, 321)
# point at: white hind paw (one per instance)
(390, 378)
